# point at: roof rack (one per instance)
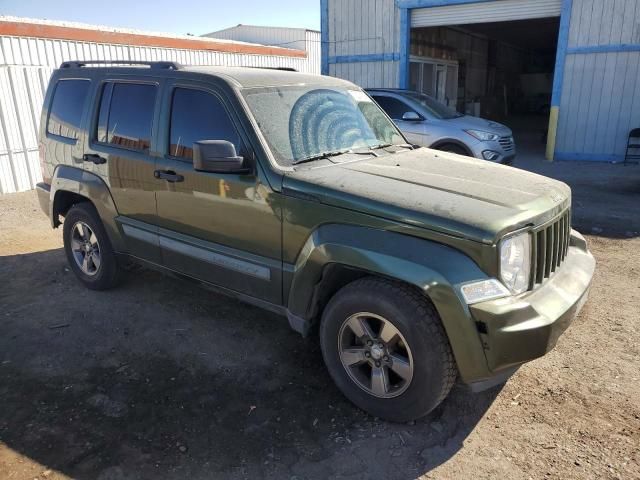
(155, 65)
(283, 69)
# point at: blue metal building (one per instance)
(575, 64)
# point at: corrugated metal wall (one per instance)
(296, 38)
(48, 52)
(600, 101)
(313, 43)
(21, 92)
(361, 30)
(276, 36)
(25, 67)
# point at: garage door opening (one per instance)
(501, 71)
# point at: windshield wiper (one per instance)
(352, 151)
(386, 145)
(382, 145)
(320, 155)
(329, 154)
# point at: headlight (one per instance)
(515, 262)
(483, 136)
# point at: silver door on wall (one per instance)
(435, 78)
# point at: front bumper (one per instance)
(506, 153)
(517, 329)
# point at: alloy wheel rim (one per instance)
(85, 248)
(375, 355)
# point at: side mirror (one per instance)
(217, 156)
(411, 117)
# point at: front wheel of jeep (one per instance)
(385, 348)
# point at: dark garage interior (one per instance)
(501, 71)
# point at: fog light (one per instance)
(484, 290)
(490, 155)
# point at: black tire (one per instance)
(108, 274)
(453, 148)
(415, 317)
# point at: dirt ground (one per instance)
(158, 379)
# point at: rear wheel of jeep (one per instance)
(88, 248)
(385, 348)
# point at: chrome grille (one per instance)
(506, 143)
(549, 245)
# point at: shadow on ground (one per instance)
(158, 379)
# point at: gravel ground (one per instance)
(158, 379)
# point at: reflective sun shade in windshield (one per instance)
(303, 121)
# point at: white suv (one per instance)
(429, 123)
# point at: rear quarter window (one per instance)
(65, 114)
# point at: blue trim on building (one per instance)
(434, 3)
(324, 37)
(589, 157)
(405, 47)
(371, 57)
(561, 55)
(622, 47)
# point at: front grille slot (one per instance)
(506, 143)
(550, 245)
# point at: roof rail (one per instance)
(85, 63)
(283, 69)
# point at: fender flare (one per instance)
(436, 269)
(94, 189)
(444, 141)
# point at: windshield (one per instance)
(303, 121)
(434, 107)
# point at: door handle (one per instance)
(92, 157)
(168, 175)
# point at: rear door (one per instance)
(224, 228)
(121, 149)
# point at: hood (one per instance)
(439, 191)
(468, 122)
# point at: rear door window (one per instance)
(65, 115)
(125, 118)
(197, 115)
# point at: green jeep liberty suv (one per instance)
(297, 193)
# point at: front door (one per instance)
(121, 149)
(219, 227)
